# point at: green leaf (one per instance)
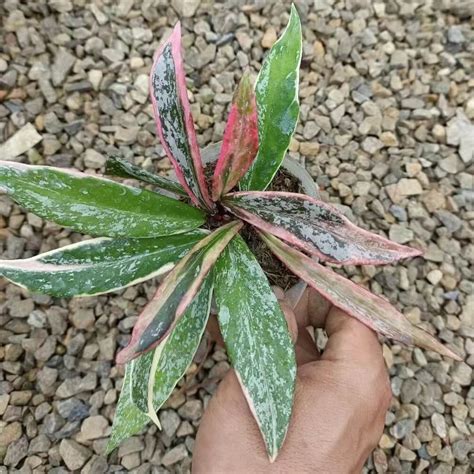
(257, 339)
(94, 205)
(150, 379)
(156, 373)
(99, 265)
(128, 419)
(277, 104)
(117, 167)
(178, 289)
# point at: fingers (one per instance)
(312, 309)
(350, 341)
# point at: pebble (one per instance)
(174, 455)
(22, 141)
(73, 454)
(269, 38)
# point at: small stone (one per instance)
(372, 145)
(40, 444)
(434, 200)
(455, 35)
(73, 454)
(4, 399)
(462, 448)
(10, 433)
(449, 220)
(93, 159)
(126, 136)
(124, 7)
(178, 453)
(191, 410)
(309, 148)
(22, 309)
(130, 461)
(170, 421)
(95, 78)
(75, 385)
(434, 276)
(406, 454)
(112, 55)
(400, 234)
(399, 59)
(462, 374)
(73, 409)
(269, 38)
(185, 8)
(16, 451)
(402, 428)
(439, 425)
(411, 388)
(94, 427)
(130, 446)
(99, 15)
(63, 63)
(22, 141)
(388, 139)
(404, 188)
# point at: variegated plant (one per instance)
(148, 233)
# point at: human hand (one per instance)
(341, 398)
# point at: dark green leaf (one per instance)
(117, 167)
(257, 339)
(277, 104)
(98, 265)
(156, 373)
(176, 292)
(128, 419)
(94, 205)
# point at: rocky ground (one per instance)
(387, 112)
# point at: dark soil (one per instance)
(276, 272)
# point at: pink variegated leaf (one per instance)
(240, 142)
(176, 292)
(315, 227)
(374, 311)
(173, 118)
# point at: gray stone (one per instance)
(73, 409)
(22, 141)
(63, 63)
(185, 8)
(455, 35)
(178, 453)
(73, 454)
(170, 421)
(400, 234)
(94, 427)
(372, 145)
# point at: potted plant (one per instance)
(199, 233)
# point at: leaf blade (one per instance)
(173, 118)
(176, 355)
(128, 419)
(315, 227)
(98, 266)
(122, 168)
(95, 205)
(374, 311)
(176, 292)
(257, 340)
(240, 142)
(277, 103)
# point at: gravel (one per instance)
(386, 128)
